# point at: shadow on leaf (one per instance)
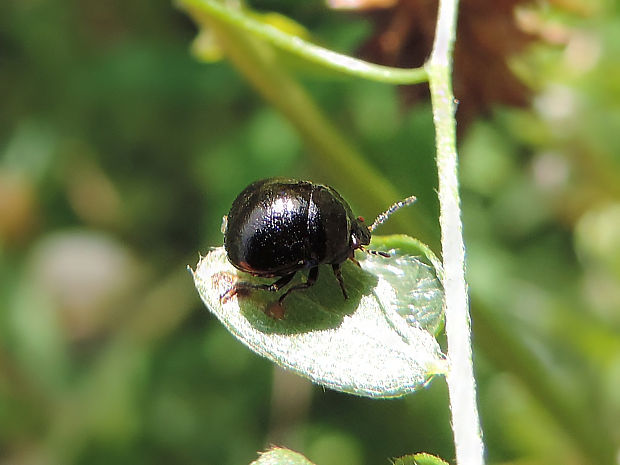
(321, 306)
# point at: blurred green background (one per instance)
(119, 154)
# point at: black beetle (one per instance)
(278, 226)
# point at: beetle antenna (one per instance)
(382, 218)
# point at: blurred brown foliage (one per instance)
(487, 35)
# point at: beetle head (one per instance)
(360, 234)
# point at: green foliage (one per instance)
(111, 131)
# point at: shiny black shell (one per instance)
(278, 226)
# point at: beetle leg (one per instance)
(338, 273)
(312, 277)
(280, 283)
(352, 257)
(242, 287)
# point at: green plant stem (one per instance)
(304, 49)
(468, 444)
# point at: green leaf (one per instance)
(278, 456)
(419, 459)
(378, 343)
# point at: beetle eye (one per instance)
(360, 218)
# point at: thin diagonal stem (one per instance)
(302, 48)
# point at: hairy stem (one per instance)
(460, 378)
